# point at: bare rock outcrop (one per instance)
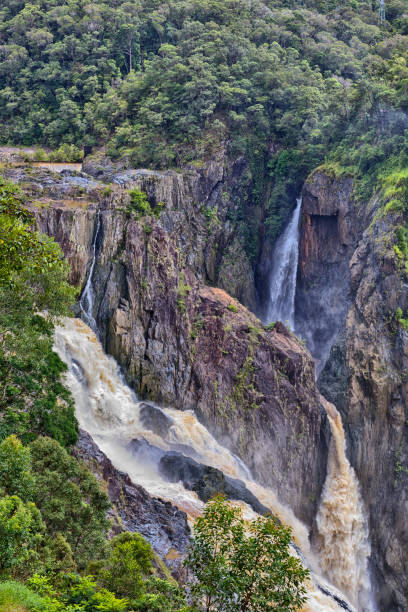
(191, 346)
(350, 286)
(133, 509)
(330, 227)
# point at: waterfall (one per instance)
(86, 301)
(382, 10)
(111, 412)
(343, 542)
(282, 281)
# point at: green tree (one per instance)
(21, 537)
(128, 563)
(161, 595)
(242, 566)
(16, 477)
(33, 277)
(70, 500)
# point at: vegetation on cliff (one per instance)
(56, 553)
(164, 82)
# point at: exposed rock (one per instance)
(193, 347)
(206, 481)
(350, 282)
(154, 419)
(199, 202)
(330, 227)
(163, 525)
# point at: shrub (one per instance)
(140, 207)
(243, 566)
(16, 597)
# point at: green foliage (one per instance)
(33, 277)
(170, 82)
(182, 291)
(242, 566)
(64, 153)
(130, 559)
(70, 500)
(403, 321)
(211, 214)
(16, 597)
(161, 595)
(395, 190)
(83, 591)
(232, 307)
(75, 594)
(139, 205)
(21, 535)
(16, 477)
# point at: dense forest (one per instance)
(167, 83)
(289, 84)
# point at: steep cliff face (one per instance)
(201, 204)
(194, 347)
(350, 274)
(330, 227)
(133, 509)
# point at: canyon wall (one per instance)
(349, 287)
(191, 346)
(187, 345)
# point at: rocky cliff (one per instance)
(188, 345)
(331, 225)
(133, 509)
(200, 209)
(350, 286)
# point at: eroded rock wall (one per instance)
(350, 286)
(194, 347)
(330, 227)
(133, 509)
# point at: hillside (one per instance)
(203, 305)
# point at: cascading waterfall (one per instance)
(344, 547)
(86, 301)
(343, 543)
(109, 410)
(282, 282)
(382, 10)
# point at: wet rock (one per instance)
(206, 481)
(161, 523)
(145, 451)
(331, 224)
(194, 347)
(154, 419)
(350, 286)
(190, 346)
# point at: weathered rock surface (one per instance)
(194, 347)
(206, 481)
(330, 228)
(162, 524)
(350, 277)
(199, 204)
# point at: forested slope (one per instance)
(163, 83)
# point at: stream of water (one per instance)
(86, 301)
(110, 411)
(282, 280)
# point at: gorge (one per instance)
(198, 349)
(203, 290)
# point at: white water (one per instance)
(108, 409)
(382, 10)
(344, 547)
(282, 280)
(86, 301)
